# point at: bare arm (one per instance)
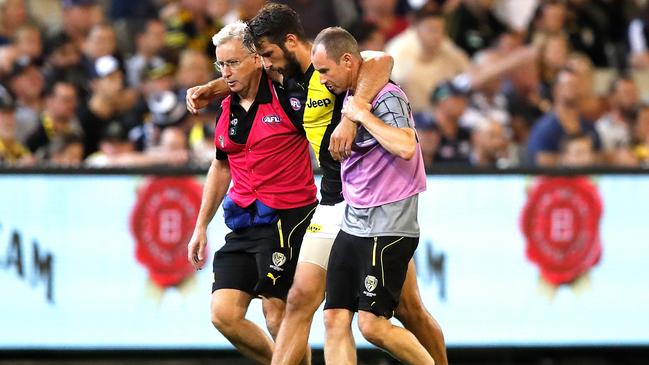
(214, 190)
(400, 142)
(199, 96)
(486, 72)
(373, 75)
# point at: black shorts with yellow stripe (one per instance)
(261, 260)
(367, 273)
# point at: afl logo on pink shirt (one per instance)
(272, 119)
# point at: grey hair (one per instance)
(237, 30)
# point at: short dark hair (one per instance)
(337, 41)
(274, 22)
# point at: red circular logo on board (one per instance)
(560, 222)
(162, 223)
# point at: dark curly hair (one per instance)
(273, 22)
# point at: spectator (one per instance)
(487, 102)
(129, 17)
(28, 43)
(615, 126)
(26, 83)
(149, 41)
(564, 120)
(194, 68)
(491, 146)
(100, 42)
(424, 57)
(368, 36)
(383, 14)
(577, 151)
(58, 118)
(79, 16)
(592, 105)
(443, 141)
(158, 77)
(525, 103)
(188, 25)
(473, 26)
(63, 63)
(64, 151)
(13, 15)
(555, 51)
(109, 99)
(550, 20)
(11, 150)
(116, 149)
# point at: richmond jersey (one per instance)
(319, 110)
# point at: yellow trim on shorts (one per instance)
(281, 234)
(383, 249)
(297, 225)
(374, 251)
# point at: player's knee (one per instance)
(410, 310)
(334, 323)
(273, 322)
(371, 328)
(303, 299)
(224, 320)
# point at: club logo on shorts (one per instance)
(295, 103)
(221, 141)
(278, 259)
(370, 283)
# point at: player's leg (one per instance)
(228, 309)
(385, 270)
(399, 342)
(235, 276)
(343, 284)
(307, 291)
(304, 298)
(277, 264)
(414, 316)
(273, 309)
(339, 345)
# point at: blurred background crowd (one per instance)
(492, 83)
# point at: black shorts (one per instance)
(368, 273)
(261, 260)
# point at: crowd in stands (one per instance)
(492, 83)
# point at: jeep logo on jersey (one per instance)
(318, 103)
(370, 283)
(278, 258)
(271, 119)
(295, 103)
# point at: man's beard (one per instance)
(292, 67)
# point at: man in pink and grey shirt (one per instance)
(381, 182)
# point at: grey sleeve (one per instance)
(393, 109)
